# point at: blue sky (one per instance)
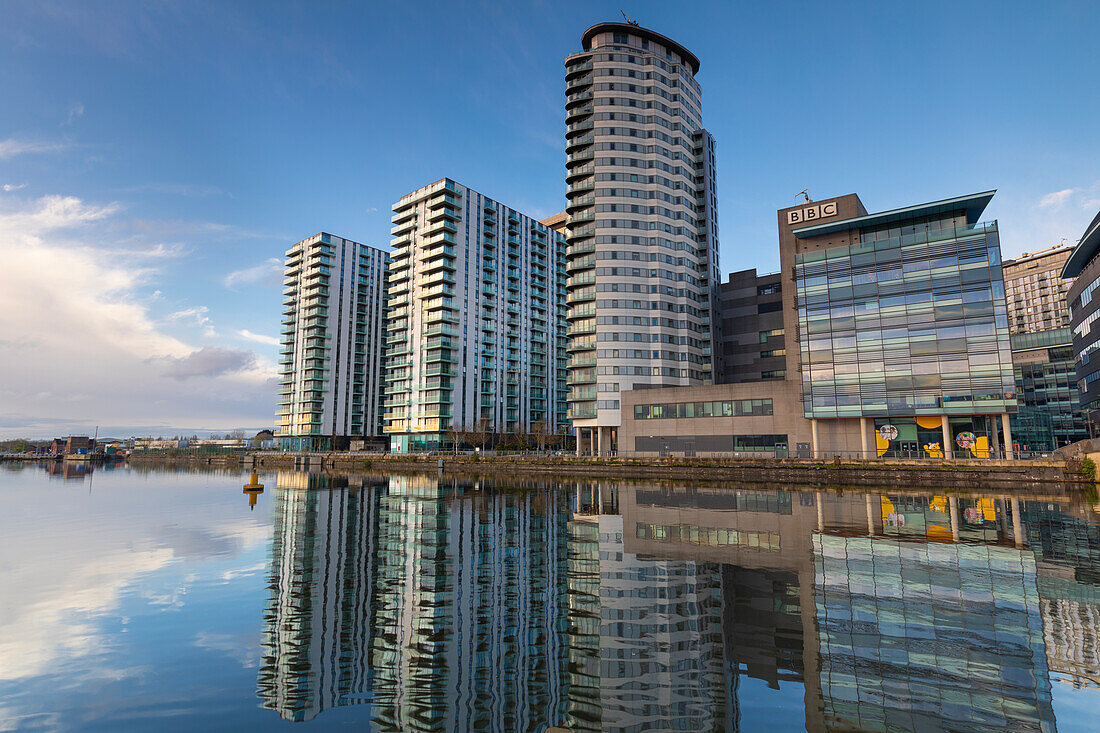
(156, 159)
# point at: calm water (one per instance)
(161, 601)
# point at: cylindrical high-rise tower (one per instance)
(643, 230)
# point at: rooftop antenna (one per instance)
(627, 19)
(803, 193)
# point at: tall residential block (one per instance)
(643, 228)
(330, 385)
(1036, 292)
(1084, 309)
(476, 338)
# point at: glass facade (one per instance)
(1050, 413)
(909, 321)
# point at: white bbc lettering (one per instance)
(811, 213)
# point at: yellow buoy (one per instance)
(253, 488)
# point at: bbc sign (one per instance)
(811, 213)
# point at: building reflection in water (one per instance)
(317, 623)
(451, 605)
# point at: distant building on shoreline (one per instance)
(330, 382)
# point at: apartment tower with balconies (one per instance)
(642, 261)
(476, 339)
(330, 385)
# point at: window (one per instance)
(720, 408)
(765, 335)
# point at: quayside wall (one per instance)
(1037, 477)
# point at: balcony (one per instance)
(580, 296)
(439, 303)
(578, 113)
(444, 213)
(580, 263)
(404, 215)
(441, 317)
(406, 227)
(574, 205)
(588, 278)
(582, 411)
(581, 344)
(438, 290)
(434, 264)
(439, 355)
(575, 174)
(573, 70)
(579, 127)
(576, 99)
(446, 200)
(581, 248)
(582, 155)
(441, 226)
(576, 142)
(439, 278)
(443, 237)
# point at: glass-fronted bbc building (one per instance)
(902, 321)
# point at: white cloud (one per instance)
(195, 315)
(89, 349)
(12, 147)
(267, 271)
(9, 187)
(258, 337)
(1057, 199)
(1032, 220)
(76, 110)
